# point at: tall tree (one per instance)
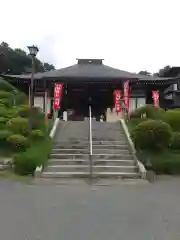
(48, 67)
(163, 72)
(145, 73)
(17, 61)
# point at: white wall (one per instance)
(38, 102)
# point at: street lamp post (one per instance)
(33, 50)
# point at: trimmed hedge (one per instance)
(148, 111)
(172, 117)
(37, 134)
(23, 111)
(6, 102)
(161, 162)
(37, 116)
(5, 86)
(151, 134)
(175, 141)
(18, 125)
(5, 94)
(17, 142)
(24, 163)
(3, 120)
(36, 155)
(3, 111)
(4, 134)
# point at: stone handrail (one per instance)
(141, 167)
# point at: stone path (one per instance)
(140, 211)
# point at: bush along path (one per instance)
(156, 136)
(27, 149)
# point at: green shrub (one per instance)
(36, 134)
(36, 155)
(6, 102)
(17, 142)
(3, 112)
(19, 98)
(151, 134)
(175, 141)
(23, 111)
(3, 120)
(172, 117)
(4, 134)
(12, 112)
(5, 94)
(5, 86)
(18, 125)
(167, 166)
(148, 111)
(2, 105)
(24, 163)
(37, 116)
(161, 162)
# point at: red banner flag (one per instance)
(117, 97)
(155, 95)
(57, 95)
(126, 94)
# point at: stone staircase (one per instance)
(111, 154)
(70, 154)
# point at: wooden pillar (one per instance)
(136, 103)
(52, 98)
(44, 101)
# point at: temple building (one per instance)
(91, 82)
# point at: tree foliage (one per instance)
(17, 61)
(145, 73)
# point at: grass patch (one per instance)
(164, 162)
(10, 175)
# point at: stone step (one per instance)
(110, 151)
(86, 151)
(124, 156)
(118, 138)
(124, 175)
(86, 168)
(95, 146)
(113, 162)
(69, 146)
(70, 151)
(65, 174)
(108, 142)
(69, 141)
(86, 162)
(110, 146)
(67, 168)
(69, 156)
(86, 143)
(68, 162)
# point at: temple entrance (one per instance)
(79, 99)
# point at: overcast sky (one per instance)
(131, 35)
